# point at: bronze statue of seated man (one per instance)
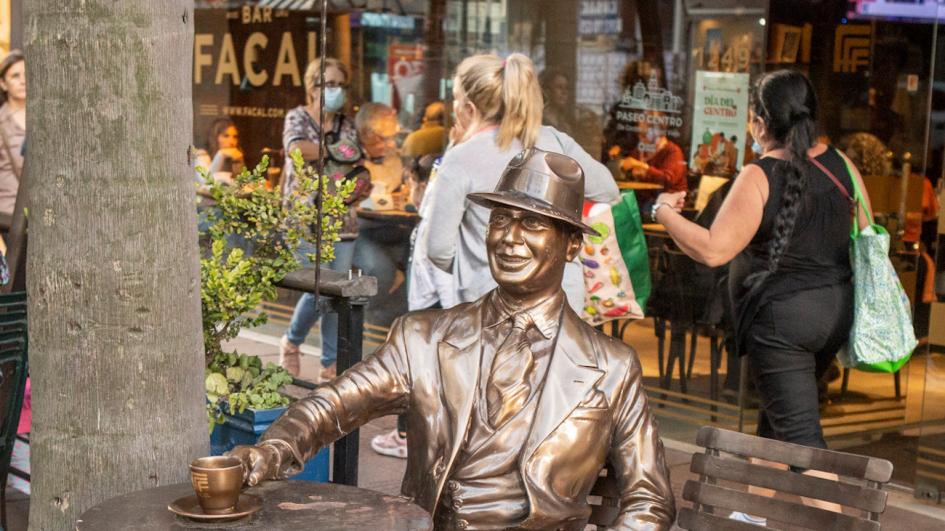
(513, 404)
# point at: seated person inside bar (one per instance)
(377, 132)
(656, 158)
(222, 158)
(381, 249)
(430, 139)
(513, 404)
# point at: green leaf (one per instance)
(234, 374)
(216, 383)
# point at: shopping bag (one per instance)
(882, 337)
(616, 264)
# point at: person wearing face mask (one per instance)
(302, 131)
(12, 127)
(498, 106)
(785, 227)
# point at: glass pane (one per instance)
(873, 73)
(930, 307)
(627, 79)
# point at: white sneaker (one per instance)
(391, 444)
(748, 519)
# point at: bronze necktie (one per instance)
(508, 387)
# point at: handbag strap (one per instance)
(857, 199)
(821, 167)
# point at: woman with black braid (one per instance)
(785, 228)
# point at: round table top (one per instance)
(637, 185)
(287, 506)
(395, 215)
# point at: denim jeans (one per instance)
(307, 312)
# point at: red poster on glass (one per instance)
(405, 68)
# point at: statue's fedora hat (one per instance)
(542, 182)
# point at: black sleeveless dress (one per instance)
(818, 254)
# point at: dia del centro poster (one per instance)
(720, 115)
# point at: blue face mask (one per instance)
(334, 99)
(756, 147)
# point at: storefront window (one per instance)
(625, 78)
(249, 63)
(872, 66)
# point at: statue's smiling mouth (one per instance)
(512, 261)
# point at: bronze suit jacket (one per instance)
(592, 409)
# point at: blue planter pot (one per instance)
(246, 427)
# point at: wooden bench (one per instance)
(604, 499)
(725, 459)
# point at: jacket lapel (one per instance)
(572, 374)
(459, 355)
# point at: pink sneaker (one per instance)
(290, 357)
(391, 444)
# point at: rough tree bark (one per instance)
(113, 275)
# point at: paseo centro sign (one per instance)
(253, 46)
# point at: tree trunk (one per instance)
(113, 281)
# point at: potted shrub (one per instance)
(254, 234)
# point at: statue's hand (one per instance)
(260, 463)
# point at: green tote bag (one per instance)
(882, 338)
(616, 265)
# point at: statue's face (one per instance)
(528, 251)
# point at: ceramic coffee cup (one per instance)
(217, 481)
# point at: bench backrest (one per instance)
(604, 499)
(725, 460)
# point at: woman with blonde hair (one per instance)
(498, 107)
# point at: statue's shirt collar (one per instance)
(546, 315)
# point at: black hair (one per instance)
(421, 167)
(786, 103)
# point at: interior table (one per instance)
(399, 216)
(638, 185)
(655, 229)
(287, 506)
